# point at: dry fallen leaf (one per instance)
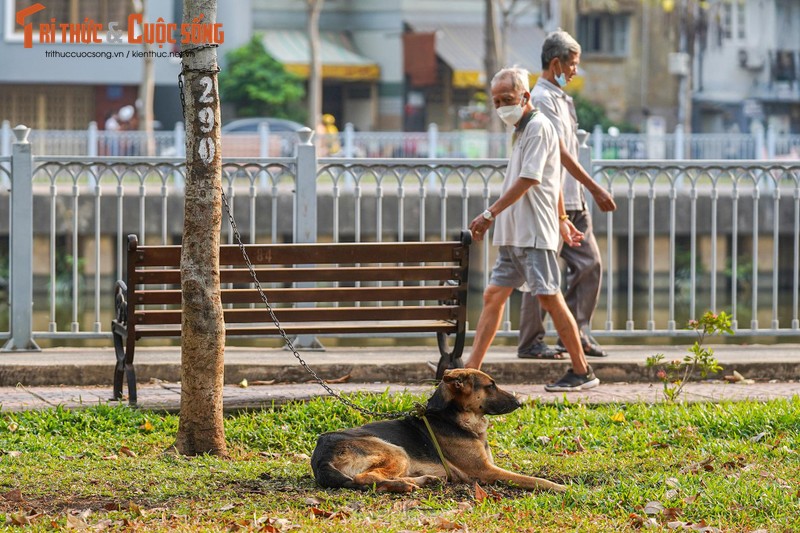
(124, 450)
(263, 382)
(403, 506)
(20, 519)
(12, 427)
(76, 522)
(480, 494)
(343, 379)
(316, 511)
(692, 499)
(441, 522)
(14, 495)
(112, 457)
(653, 508)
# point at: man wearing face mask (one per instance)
(529, 216)
(560, 58)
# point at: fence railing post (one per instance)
(597, 141)
(680, 139)
(757, 130)
(21, 261)
(5, 149)
(263, 139)
(349, 140)
(179, 140)
(771, 141)
(433, 140)
(305, 215)
(5, 138)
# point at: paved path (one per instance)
(166, 396)
(81, 377)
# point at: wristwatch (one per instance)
(488, 215)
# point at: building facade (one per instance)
(747, 56)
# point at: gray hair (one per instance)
(558, 44)
(518, 77)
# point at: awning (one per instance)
(461, 46)
(338, 56)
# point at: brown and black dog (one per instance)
(399, 455)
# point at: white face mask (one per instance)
(510, 114)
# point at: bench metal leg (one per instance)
(123, 371)
(449, 358)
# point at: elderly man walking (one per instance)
(529, 217)
(561, 55)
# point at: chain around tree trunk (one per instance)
(289, 344)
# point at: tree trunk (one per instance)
(203, 329)
(146, 89)
(491, 64)
(314, 64)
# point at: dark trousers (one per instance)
(583, 277)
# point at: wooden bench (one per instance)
(314, 289)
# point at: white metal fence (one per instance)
(472, 144)
(688, 236)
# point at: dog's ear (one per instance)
(457, 380)
(453, 379)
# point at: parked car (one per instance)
(240, 138)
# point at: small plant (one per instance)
(674, 375)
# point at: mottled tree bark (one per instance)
(203, 329)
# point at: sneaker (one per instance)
(590, 347)
(540, 350)
(574, 382)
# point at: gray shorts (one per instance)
(532, 266)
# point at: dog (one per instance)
(400, 456)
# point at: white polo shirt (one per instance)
(532, 221)
(558, 106)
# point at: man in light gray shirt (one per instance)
(528, 227)
(560, 58)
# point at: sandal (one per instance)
(540, 350)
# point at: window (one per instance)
(604, 33)
(740, 20)
(732, 20)
(75, 11)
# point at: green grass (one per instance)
(732, 466)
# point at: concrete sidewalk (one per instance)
(82, 376)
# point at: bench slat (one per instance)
(287, 275)
(300, 254)
(312, 314)
(317, 294)
(313, 329)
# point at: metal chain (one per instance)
(289, 344)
